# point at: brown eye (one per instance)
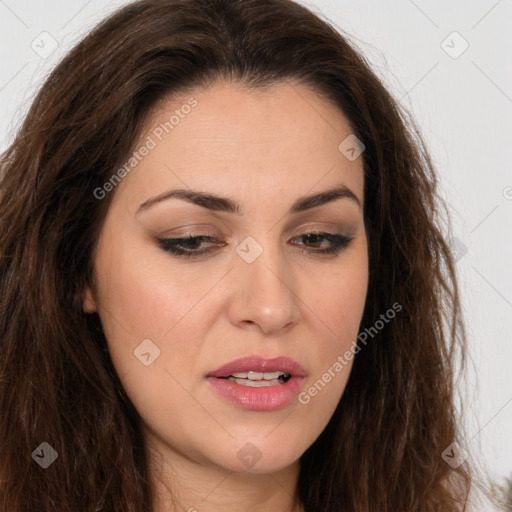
(338, 242)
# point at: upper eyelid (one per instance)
(199, 230)
(312, 231)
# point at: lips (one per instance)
(258, 384)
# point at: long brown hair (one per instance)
(382, 450)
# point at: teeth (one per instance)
(255, 383)
(259, 379)
(258, 375)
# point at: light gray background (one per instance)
(463, 105)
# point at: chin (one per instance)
(259, 456)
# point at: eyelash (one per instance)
(172, 244)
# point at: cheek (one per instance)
(144, 297)
(342, 300)
(142, 300)
(339, 298)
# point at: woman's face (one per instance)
(255, 285)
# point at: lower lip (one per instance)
(268, 398)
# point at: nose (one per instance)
(263, 293)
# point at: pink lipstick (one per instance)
(258, 384)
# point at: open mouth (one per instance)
(258, 379)
(256, 383)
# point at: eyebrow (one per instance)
(224, 204)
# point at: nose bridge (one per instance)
(264, 285)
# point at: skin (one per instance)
(263, 149)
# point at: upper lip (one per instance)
(260, 364)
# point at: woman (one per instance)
(224, 282)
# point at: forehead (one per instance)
(227, 136)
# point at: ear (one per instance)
(88, 303)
